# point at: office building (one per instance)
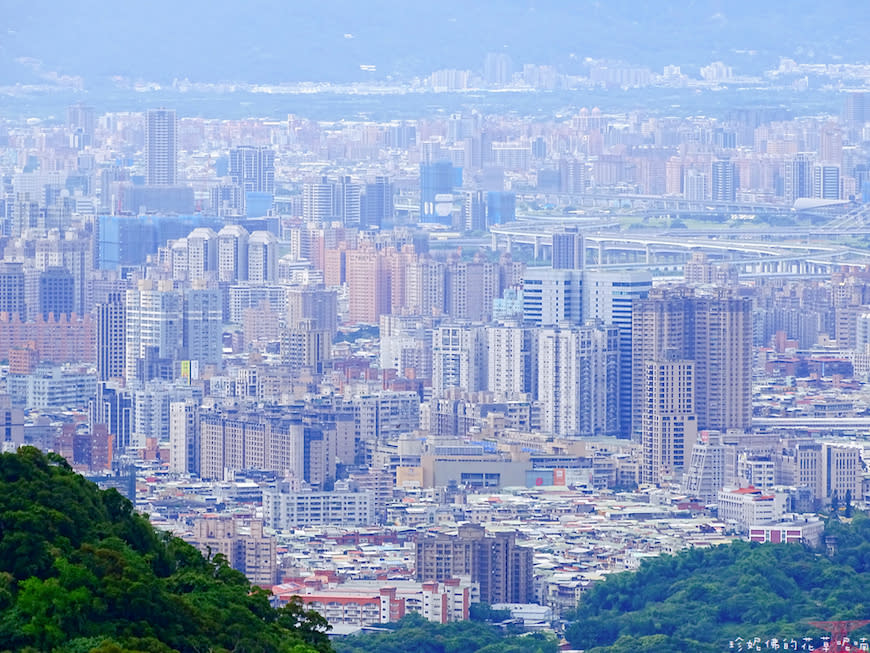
(725, 182)
(317, 201)
(799, 176)
(347, 202)
(608, 298)
(111, 337)
(161, 147)
(552, 297)
(253, 169)
(826, 182)
(474, 211)
(112, 406)
(501, 207)
(12, 298)
(437, 181)
(377, 203)
(56, 293)
(569, 250)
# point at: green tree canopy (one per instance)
(701, 599)
(414, 634)
(81, 572)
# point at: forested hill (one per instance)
(700, 600)
(81, 572)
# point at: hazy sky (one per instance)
(291, 40)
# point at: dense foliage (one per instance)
(700, 600)
(413, 634)
(80, 571)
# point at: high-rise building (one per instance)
(856, 108)
(155, 319)
(377, 203)
(161, 147)
(569, 250)
(111, 335)
(704, 476)
(232, 254)
(437, 181)
(470, 287)
(12, 297)
(184, 437)
(841, 470)
(512, 369)
(669, 426)
(578, 380)
(253, 168)
(695, 186)
(304, 346)
(572, 175)
(552, 297)
(724, 181)
(251, 552)
(347, 196)
(80, 121)
(203, 326)
(459, 358)
(501, 207)
(799, 176)
(262, 257)
(56, 293)
(826, 182)
(202, 253)
(314, 303)
(368, 285)
(498, 69)
(608, 298)
(715, 333)
(501, 567)
(112, 405)
(474, 211)
(317, 201)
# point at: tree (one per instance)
(699, 600)
(848, 512)
(81, 571)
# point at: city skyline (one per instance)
(459, 329)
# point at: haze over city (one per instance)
(452, 326)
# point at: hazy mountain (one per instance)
(292, 40)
